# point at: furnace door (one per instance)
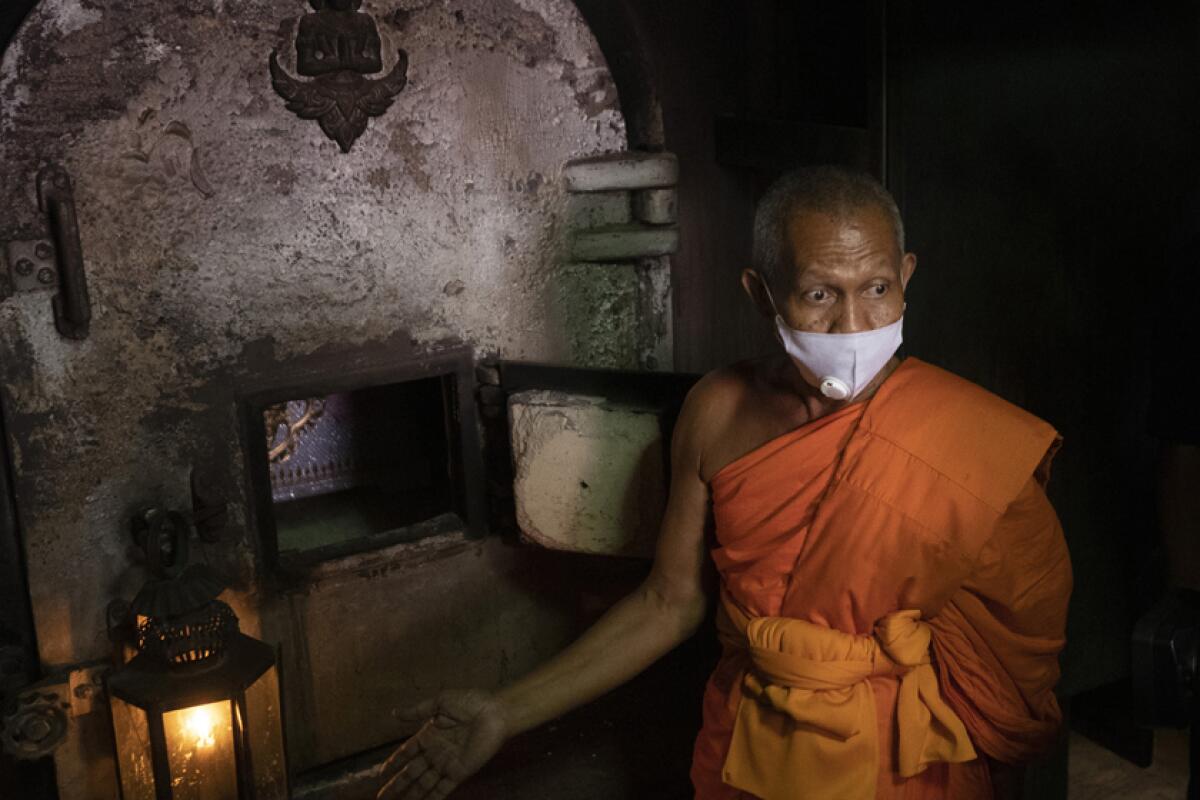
(585, 454)
(432, 523)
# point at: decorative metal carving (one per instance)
(189, 637)
(338, 46)
(283, 432)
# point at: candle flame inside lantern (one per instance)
(200, 724)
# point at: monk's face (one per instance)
(847, 274)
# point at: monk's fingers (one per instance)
(423, 786)
(391, 790)
(407, 776)
(440, 790)
(443, 789)
(401, 756)
(425, 780)
(443, 719)
(428, 739)
(405, 779)
(445, 756)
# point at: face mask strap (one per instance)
(770, 296)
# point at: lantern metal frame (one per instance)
(191, 654)
(158, 689)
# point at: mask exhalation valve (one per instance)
(834, 389)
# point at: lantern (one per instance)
(196, 712)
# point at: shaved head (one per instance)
(834, 191)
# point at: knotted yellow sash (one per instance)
(806, 724)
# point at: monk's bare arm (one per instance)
(463, 729)
(660, 614)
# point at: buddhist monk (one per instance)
(893, 582)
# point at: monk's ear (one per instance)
(908, 265)
(756, 289)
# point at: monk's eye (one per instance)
(878, 290)
(817, 296)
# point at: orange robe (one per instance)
(896, 559)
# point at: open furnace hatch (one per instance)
(360, 467)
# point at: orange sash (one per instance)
(824, 740)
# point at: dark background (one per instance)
(1044, 160)
(1043, 156)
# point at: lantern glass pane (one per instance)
(132, 733)
(200, 752)
(265, 731)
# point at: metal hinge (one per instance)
(33, 265)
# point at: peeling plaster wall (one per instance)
(223, 235)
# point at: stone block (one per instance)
(598, 209)
(655, 206)
(628, 170)
(590, 475)
(624, 242)
(596, 313)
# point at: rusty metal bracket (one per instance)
(37, 723)
(31, 265)
(53, 263)
(87, 688)
(162, 537)
(72, 308)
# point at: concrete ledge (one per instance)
(624, 242)
(590, 476)
(628, 170)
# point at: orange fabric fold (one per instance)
(906, 548)
(997, 640)
(806, 723)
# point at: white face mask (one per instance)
(840, 365)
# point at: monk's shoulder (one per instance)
(712, 397)
(719, 393)
(714, 401)
(975, 438)
(947, 394)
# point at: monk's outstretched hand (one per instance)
(463, 730)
